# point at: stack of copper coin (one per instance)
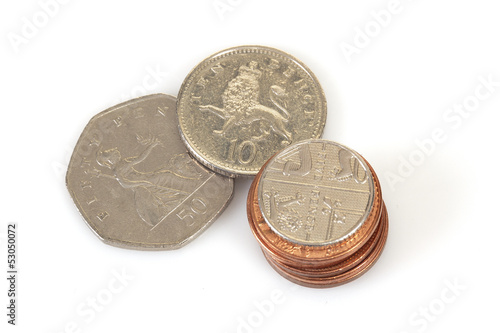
(316, 209)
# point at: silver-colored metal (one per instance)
(240, 106)
(316, 192)
(134, 182)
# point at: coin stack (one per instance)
(317, 211)
(154, 172)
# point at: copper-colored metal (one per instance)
(321, 266)
(316, 256)
(342, 266)
(345, 275)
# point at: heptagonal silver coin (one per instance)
(134, 182)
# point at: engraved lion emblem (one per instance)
(241, 106)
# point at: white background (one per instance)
(394, 92)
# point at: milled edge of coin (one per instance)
(256, 222)
(370, 203)
(235, 50)
(337, 268)
(128, 244)
(347, 276)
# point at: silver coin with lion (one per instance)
(240, 106)
(134, 182)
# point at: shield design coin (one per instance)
(316, 192)
(240, 106)
(316, 209)
(134, 182)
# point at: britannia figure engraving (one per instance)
(156, 192)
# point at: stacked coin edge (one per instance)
(321, 266)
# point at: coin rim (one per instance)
(318, 256)
(346, 276)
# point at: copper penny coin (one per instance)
(316, 209)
